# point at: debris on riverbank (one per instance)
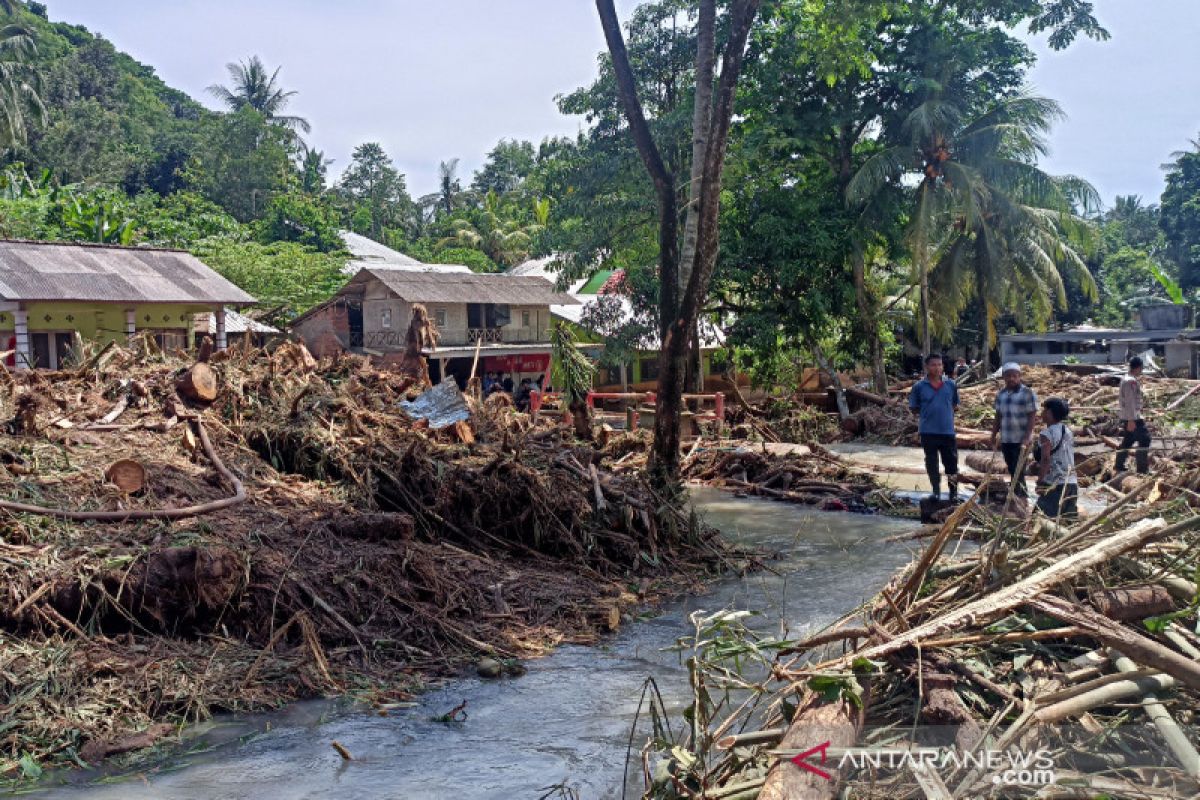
(1073, 649)
(298, 535)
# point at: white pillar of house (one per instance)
(24, 357)
(130, 323)
(219, 314)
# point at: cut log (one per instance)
(815, 724)
(198, 383)
(987, 463)
(127, 475)
(868, 397)
(461, 431)
(1132, 602)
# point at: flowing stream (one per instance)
(567, 721)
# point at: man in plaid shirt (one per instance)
(1016, 414)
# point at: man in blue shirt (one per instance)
(934, 400)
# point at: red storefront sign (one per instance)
(528, 362)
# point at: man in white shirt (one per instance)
(1129, 412)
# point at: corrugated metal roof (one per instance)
(420, 287)
(108, 274)
(238, 323)
(370, 253)
(364, 249)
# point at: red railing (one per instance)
(717, 415)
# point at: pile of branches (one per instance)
(1074, 651)
(295, 533)
(814, 478)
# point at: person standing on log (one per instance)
(1132, 424)
(934, 400)
(1016, 416)
(1056, 462)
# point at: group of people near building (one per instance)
(934, 399)
(521, 393)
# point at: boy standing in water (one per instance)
(934, 400)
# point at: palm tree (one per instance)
(253, 87)
(505, 242)
(983, 216)
(450, 195)
(20, 82)
(313, 168)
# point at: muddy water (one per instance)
(568, 720)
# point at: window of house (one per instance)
(439, 317)
(385, 318)
(649, 369)
(524, 319)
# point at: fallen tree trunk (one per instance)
(1130, 642)
(990, 607)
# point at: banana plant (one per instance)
(98, 217)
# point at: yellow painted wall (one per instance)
(104, 321)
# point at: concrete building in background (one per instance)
(51, 292)
(1166, 331)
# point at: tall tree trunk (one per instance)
(679, 315)
(868, 319)
(985, 323)
(701, 120)
(926, 344)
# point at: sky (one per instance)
(441, 79)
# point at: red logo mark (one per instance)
(800, 762)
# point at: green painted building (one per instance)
(51, 292)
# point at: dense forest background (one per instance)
(881, 183)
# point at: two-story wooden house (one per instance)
(506, 317)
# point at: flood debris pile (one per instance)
(809, 475)
(296, 535)
(1091, 394)
(1051, 662)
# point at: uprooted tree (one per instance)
(684, 272)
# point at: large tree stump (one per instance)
(198, 383)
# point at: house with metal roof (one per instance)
(505, 318)
(641, 374)
(51, 292)
(366, 252)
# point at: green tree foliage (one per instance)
(254, 88)
(301, 218)
(314, 167)
(375, 191)
(244, 161)
(1132, 249)
(508, 164)
(20, 82)
(286, 277)
(1180, 217)
(494, 231)
(98, 216)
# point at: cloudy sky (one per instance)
(448, 78)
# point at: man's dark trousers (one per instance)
(944, 446)
(1012, 455)
(1140, 436)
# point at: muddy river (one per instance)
(567, 721)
